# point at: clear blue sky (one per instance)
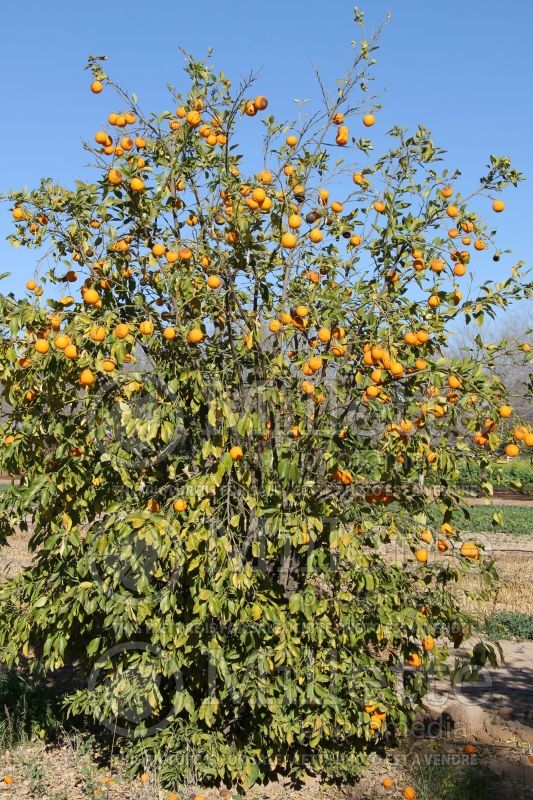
(462, 69)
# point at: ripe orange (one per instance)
(294, 221)
(87, 377)
(369, 120)
(308, 387)
(97, 333)
(324, 334)
(512, 450)
(42, 346)
(414, 660)
(91, 296)
(158, 249)
(169, 333)
(146, 327)
(442, 545)
(236, 453)
(213, 281)
(469, 550)
(470, 749)
(61, 341)
(179, 505)
(292, 141)
(96, 87)
(71, 351)
(528, 439)
(114, 176)
(193, 118)
(379, 206)
(421, 555)
(30, 285)
(409, 793)
(136, 185)
(315, 363)
(288, 240)
(274, 325)
(505, 411)
(355, 240)
(498, 206)
(454, 382)
(434, 301)
(122, 330)
(316, 235)
(195, 336)
(260, 103)
(428, 643)
(108, 365)
(446, 191)
(388, 783)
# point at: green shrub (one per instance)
(28, 708)
(509, 625)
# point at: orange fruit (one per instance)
(260, 103)
(308, 387)
(498, 206)
(434, 301)
(446, 191)
(169, 333)
(324, 334)
(61, 341)
(421, 555)
(452, 211)
(71, 351)
(469, 550)
(379, 206)
(454, 382)
(114, 176)
(195, 336)
(136, 185)
(337, 118)
(414, 660)
(288, 240)
(409, 793)
(179, 505)
(315, 363)
(470, 749)
(292, 141)
(388, 783)
(31, 285)
(213, 281)
(442, 545)
(42, 346)
(505, 411)
(369, 120)
(512, 450)
(91, 296)
(97, 333)
(428, 643)
(236, 453)
(108, 365)
(294, 221)
(146, 327)
(87, 377)
(96, 87)
(316, 235)
(158, 249)
(193, 118)
(274, 325)
(122, 330)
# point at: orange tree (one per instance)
(238, 430)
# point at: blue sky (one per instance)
(462, 69)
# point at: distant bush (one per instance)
(470, 474)
(509, 625)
